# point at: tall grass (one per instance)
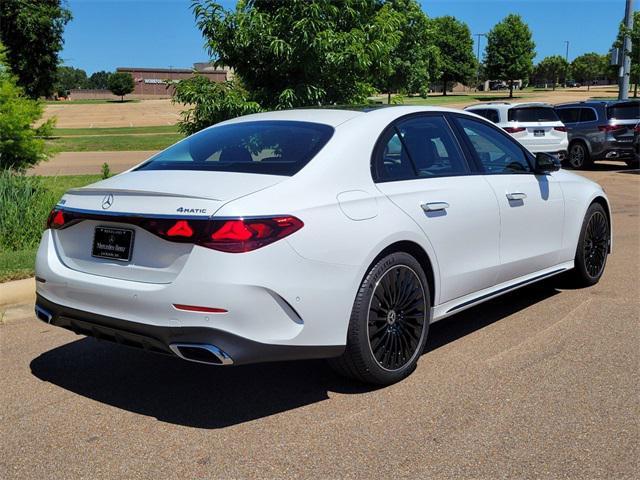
(24, 206)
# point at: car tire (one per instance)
(389, 322)
(593, 248)
(578, 157)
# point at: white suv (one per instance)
(535, 125)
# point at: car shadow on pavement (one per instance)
(202, 396)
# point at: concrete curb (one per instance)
(18, 291)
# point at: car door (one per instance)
(419, 165)
(531, 206)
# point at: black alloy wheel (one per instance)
(397, 316)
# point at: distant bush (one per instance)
(25, 204)
(20, 145)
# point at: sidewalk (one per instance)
(82, 163)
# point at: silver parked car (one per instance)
(600, 130)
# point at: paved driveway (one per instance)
(541, 383)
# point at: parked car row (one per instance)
(578, 133)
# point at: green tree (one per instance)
(68, 78)
(210, 102)
(20, 145)
(510, 51)
(589, 66)
(121, 84)
(99, 80)
(300, 53)
(454, 42)
(552, 69)
(414, 60)
(32, 33)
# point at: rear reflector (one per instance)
(514, 129)
(195, 308)
(610, 128)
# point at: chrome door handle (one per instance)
(516, 196)
(434, 206)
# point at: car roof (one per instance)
(336, 116)
(592, 103)
(509, 105)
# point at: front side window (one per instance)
(496, 152)
(419, 147)
(265, 147)
(569, 115)
(532, 114)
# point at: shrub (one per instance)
(25, 204)
(210, 102)
(20, 147)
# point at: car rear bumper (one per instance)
(231, 349)
(618, 153)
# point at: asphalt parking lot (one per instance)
(540, 383)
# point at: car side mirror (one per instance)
(546, 163)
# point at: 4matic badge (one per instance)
(191, 210)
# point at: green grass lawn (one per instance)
(87, 143)
(61, 132)
(87, 101)
(15, 265)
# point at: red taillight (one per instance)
(180, 229)
(514, 129)
(610, 128)
(56, 219)
(636, 128)
(246, 234)
(560, 129)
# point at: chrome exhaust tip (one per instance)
(43, 314)
(201, 353)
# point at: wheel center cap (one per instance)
(391, 317)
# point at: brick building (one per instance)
(151, 81)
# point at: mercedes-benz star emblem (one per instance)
(107, 201)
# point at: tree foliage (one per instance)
(510, 51)
(589, 66)
(453, 40)
(68, 78)
(121, 84)
(32, 33)
(99, 80)
(210, 102)
(414, 59)
(300, 53)
(20, 147)
(551, 69)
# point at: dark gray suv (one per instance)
(600, 130)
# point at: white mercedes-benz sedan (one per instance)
(321, 233)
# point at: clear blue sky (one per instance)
(105, 34)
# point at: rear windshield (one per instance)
(624, 111)
(266, 147)
(533, 114)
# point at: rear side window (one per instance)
(569, 115)
(587, 115)
(419, 147)
(624, 111)
(490, 114)
(265, 147)
(532, 114)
